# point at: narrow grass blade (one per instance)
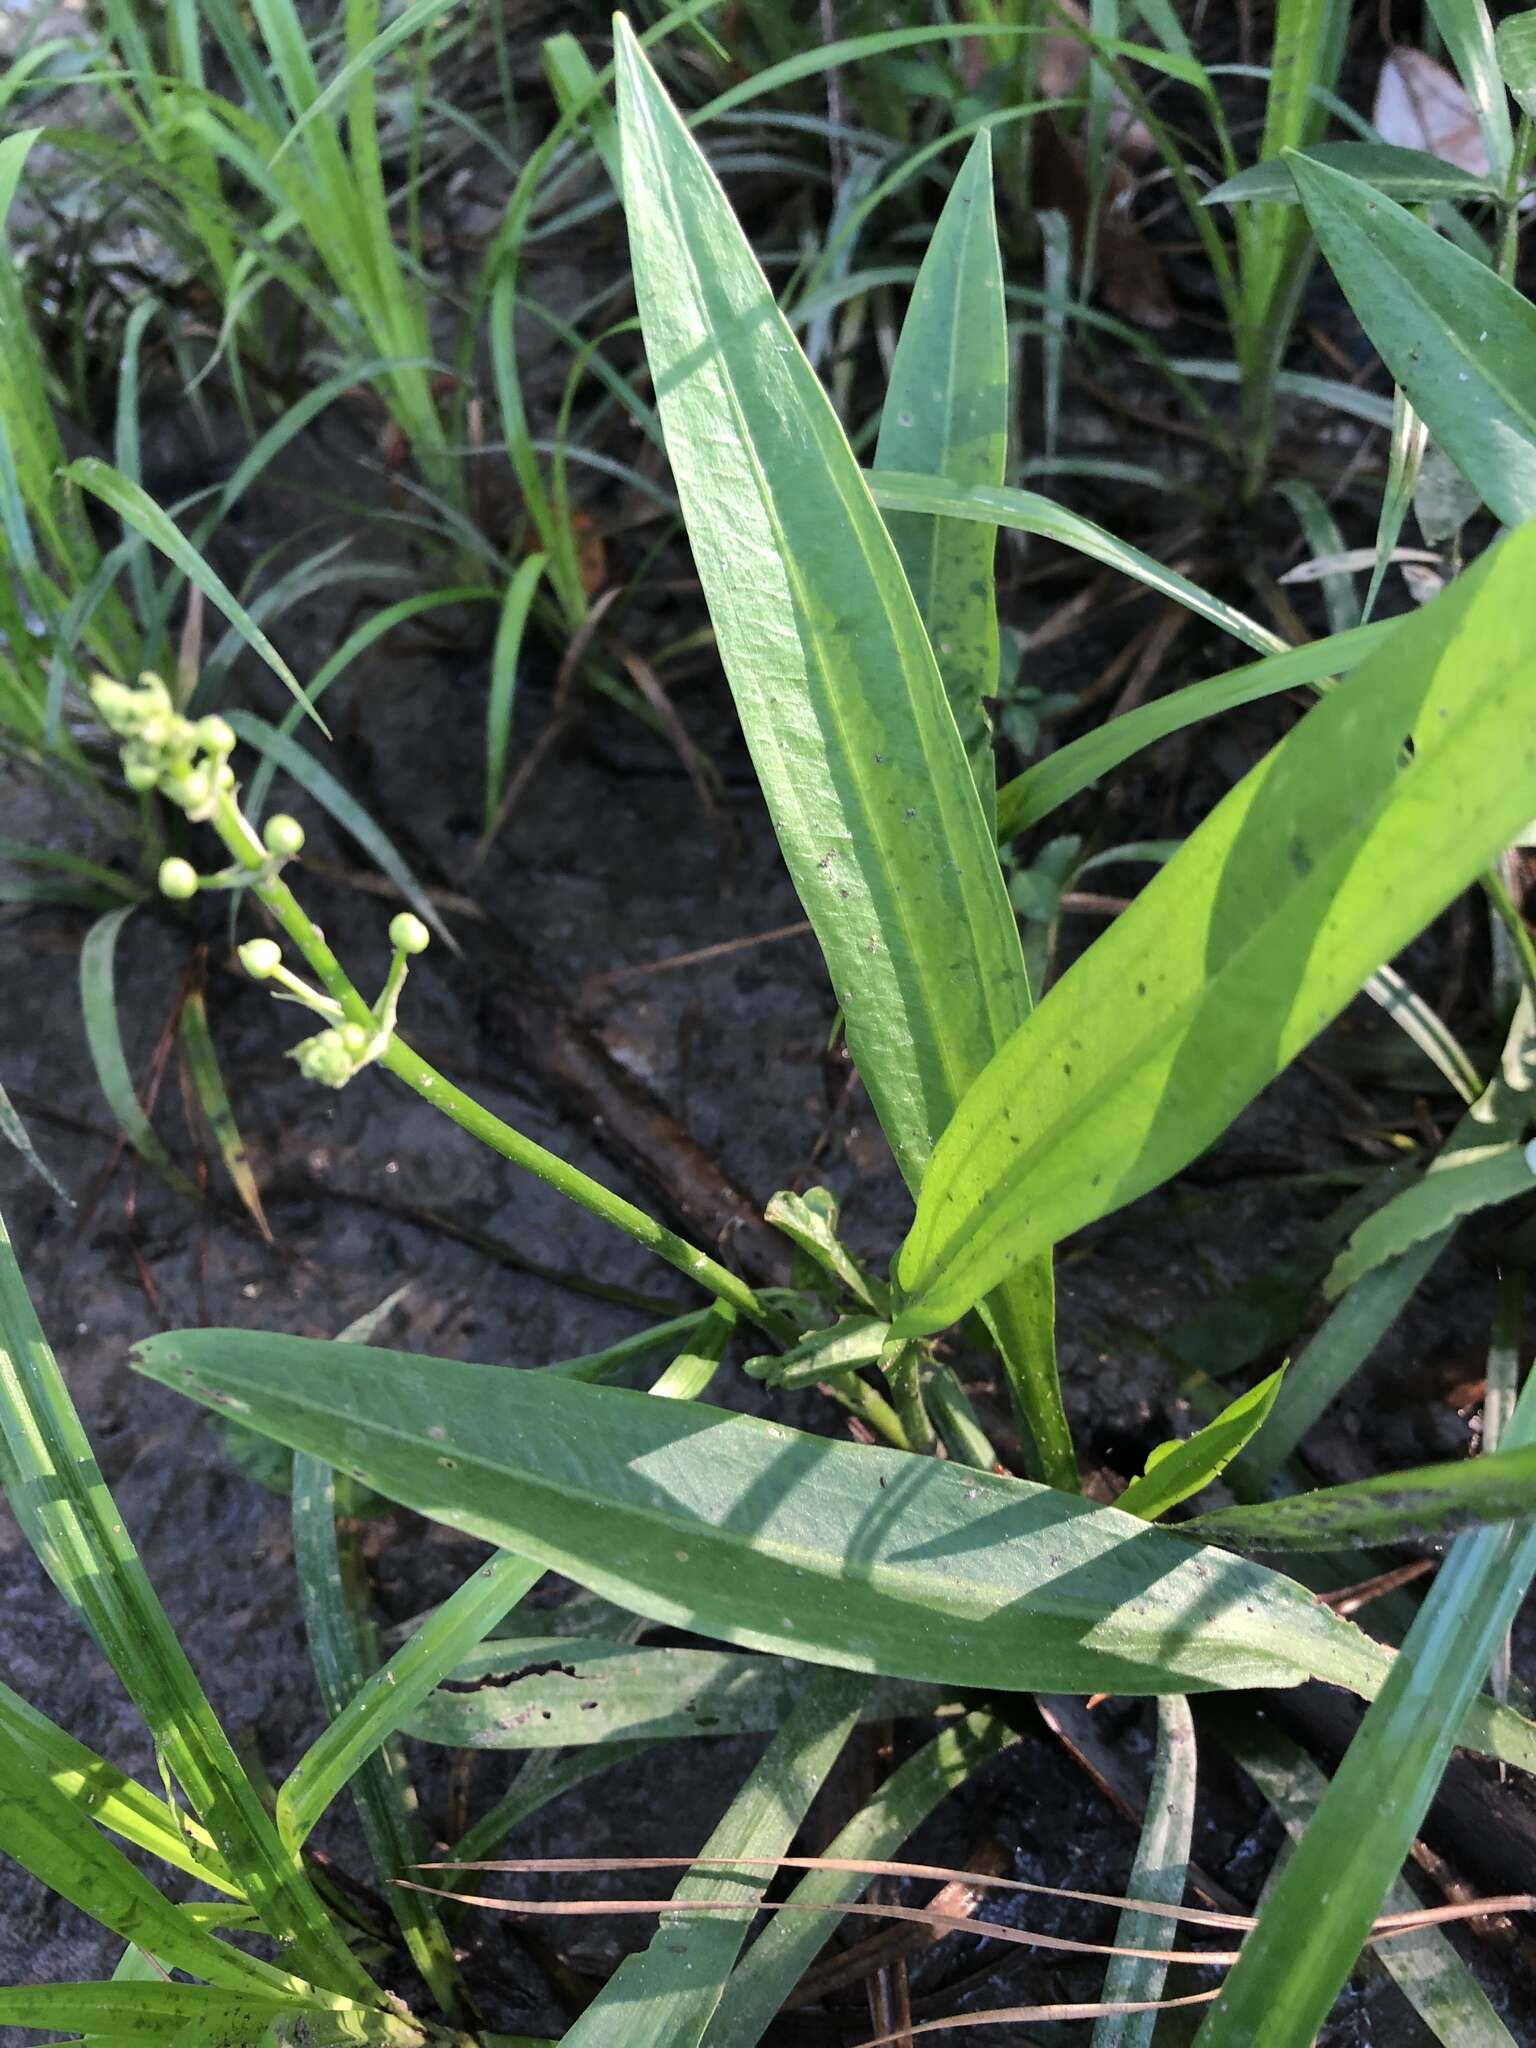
(781, 1954)
(1319, 1912)
(62, 1505)
(1028, 512)
(1179, 1469)
(1325, 861)
(1430, 1500)
(757, 1535)
(139, 511)
(1456, 337)
(15, 1132)
(1308, 45)
(98, 1008)
(1467, 32)
(504, 666)
(1054, 781)
(1424, 1965)
(381, 1788)
(374, 1712)
(314, 777)
(840, 698)
(1159, 1874)
(117, 2011)
(1324, 539)
(1427, 1029)
(583, 1691)
(213, 1097)
(54, 1838)
(946, 415)
(107, 1797)
(668, 1995)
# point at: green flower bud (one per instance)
(141, 770)
(117, 706)
(151, 688)
(356, 1038)
(178, 879)
(325, 1058)
(284, 836)
(261, 958)
(407, 934)
(216, 734)
(191, 788)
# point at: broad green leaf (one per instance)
(1181, 1468)
(1158, 1875)
(786, 1948)
(667, 1995)
(1430, 1500)
(1460, 342)
(543, 1692)
(111, 1799)
(98, 1009)
(1295, 1961)
(1456, 1185)
(1424, 1965)
(1029, 512)
(851, 1342)
(1515, 43)
(840, 699)
(946, 415)
(1406, 174)
(809, 1221)
(66, 1513)
(755, 1534)
(1323, 862)
(1060, 776)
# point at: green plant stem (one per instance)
(568, 1180)
(408, 1066)
(1509, 205)
(1504, 905)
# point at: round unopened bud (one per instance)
(141, 771)
(116, 705)
(355, 1038)
(407, 934)
(178, 879)
(151, 687)
(215, 733)
(261, 958)
(283, 835)
(189, 787)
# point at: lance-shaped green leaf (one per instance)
(1060, 776)
(151, 2010)
(1429, 1500)
(1406, 174)
(1456, 1185)
(1180, 1468)
(946, 415)
(755, 1534)
(1456, 337)
(1515, 42)
(544, 1692)
(840, 698)
(1323, 862)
